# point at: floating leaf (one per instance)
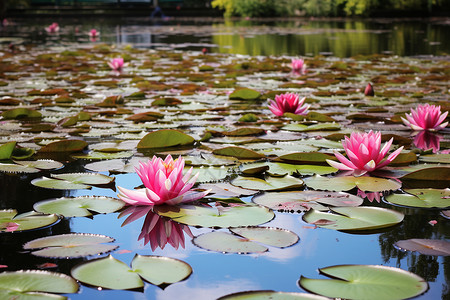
(365, 282)
(433, 174)
(354, 218)
(271, 295)
(71, 245)
(301, 201)
(345, 183)
(103, 155)
(244, 94)
(13, 168)
(306, 158)
(66, 146)
(436, 158)
(271, 236)
(21, 112)
(82, 206)
(49, 183)
(269, 184)
(225, 190)
(426, 198)
(425, 246)
(227, 243)
(233, 216)
(238, 152)
(34, 284)
(85, 178)
(10, 221)
(164, 138)
(316, 127)
(42, 164)
(282, 169)
(6, 150)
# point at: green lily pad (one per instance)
(41, 164)
(209, 174)
(85, 178)
(35, 284)
(345, 183)
(13, 168)
(365, 282)
(225, 190)
(433, 174)
(6, 150)
(426, 198)
(315, 127)
(223, 217)
(224, 242)
(271, 295)
(238, 152)
(282, 169)
(103, 155)
(64, 146)
(269, 184)
(276, 237)
(164, 138)
(111, 273)
(306, 158)
(244, 94)
(443, 158)
(21, 112)
(294, 201)
(354, 218)
(71, 245)
(11, 222)
(50, 183)
(82, 206)
(425, 246)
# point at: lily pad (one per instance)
(365, 282)
(224, 242)
(85, 178)
(111, 273)
(13, 168)
(434, 174)
(345, 183)
(233, 216)
(6, 150)
(271, 295)
(436, 158)
(307, 158)
(271, 236)
(82, 206)
(294, 201)
(164, 138)
(425, 246)
(315, 127)
(282, 169)
(41, 164)
(34, 284)
(50, 183)
(64, 146)
(11, 222)
(71, 245)
(244, 94)
(354, 218)
(238, 152)
(269, 184)
(426, 198)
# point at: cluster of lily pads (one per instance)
(60, 106)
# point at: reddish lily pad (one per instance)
(64, 146)
(425, 246)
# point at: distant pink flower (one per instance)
(288, 102)
(298, 66)
(364, 153)
(53, 28)
(426, 117)
(11, 226)
(157, 230)
(427, 140)
(164, 184)
(94, 33)
(368, 91)
(116, 64)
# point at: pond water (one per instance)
(63, 74)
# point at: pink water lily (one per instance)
(157, 230)
(52, 28)
(298, 66)
(164, 184)
(288, 102)
(364, 153)
(94, 33)
(116, 64)
(368, 91)
(426, 117)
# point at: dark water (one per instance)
(342, 38)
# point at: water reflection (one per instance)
(426, 140)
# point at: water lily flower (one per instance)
(426, 117)
(53, 28)
(164, 184)
(298, 66)
(116, 64)
(364, 153)
(368, 91)
(157, 230)
(94, 33)
(288, 102)
(427, 140)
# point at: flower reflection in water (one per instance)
(426, 140)
(370, 195)
(158, 231)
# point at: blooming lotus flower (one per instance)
(288, 102)
(427, 140)
(116, 64)
(157, 230)
(426, 117)
(298, 66)
(164, 184)
(368, 91)
(364, 153)
(94, 33)
(53, 28)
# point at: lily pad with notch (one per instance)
(10, 221)
(345, 183)
(423, 198)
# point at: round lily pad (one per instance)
(164, 138)
(345, 183)
(50, 183)
(425, 246)
(31, 284)
(354, 218)
(11, 222)
(271, 295)
(233, 216)
(71, 245)
(282, 169)
(425, 198)
(85, 178)
(41, 164)
(271, 236)
(269, 184)
(294, 201)
(365, 282)
(82, 206)
(227, 243)
(13, 168)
